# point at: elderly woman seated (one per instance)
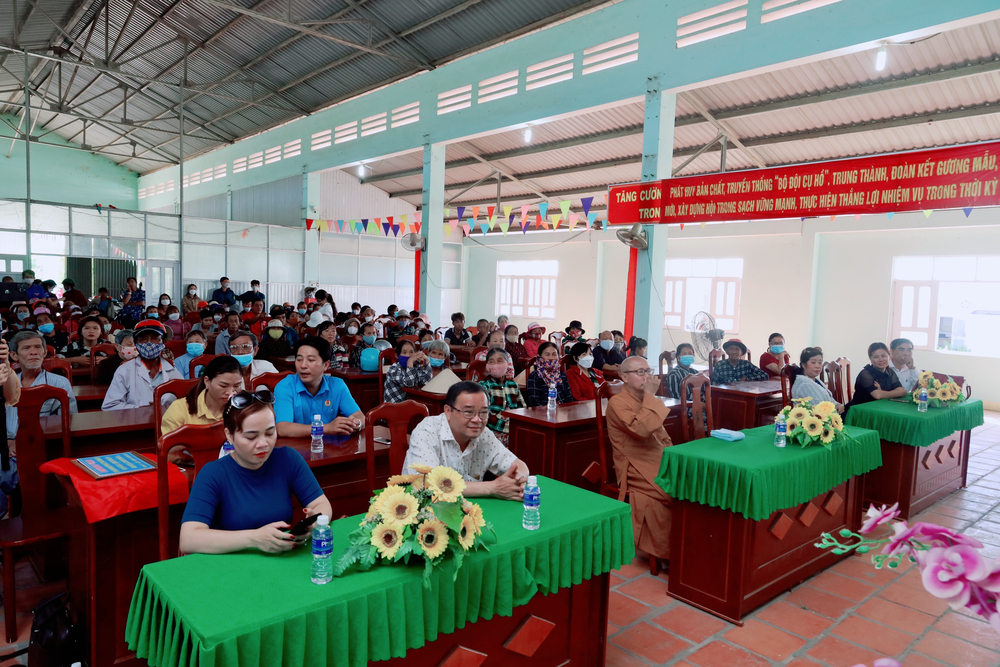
(503, 392)
(548, 372)
(807, 383)
(877, 380)
(583, 379)
(412, 369)
(496, 340)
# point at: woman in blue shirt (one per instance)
(243, 501)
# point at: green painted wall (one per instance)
(62, 175)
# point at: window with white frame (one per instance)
(527, 288)
(949, 304)
(694, 285)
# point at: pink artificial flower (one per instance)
(949, 573)
(939, 536)
(898, 544)
(877, 517)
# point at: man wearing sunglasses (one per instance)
(460, 440)
(311, 392)
(635, 428)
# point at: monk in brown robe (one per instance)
(635, 427)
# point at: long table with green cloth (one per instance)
(745, 514)
(925, 454)
(540, 593)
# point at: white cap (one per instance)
(323, 520)
(532, 480)
(317, 417)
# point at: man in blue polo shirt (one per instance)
(311, 392)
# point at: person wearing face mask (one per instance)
(574, 335)
(403, 327)
(458, 334)
(274, 344)
(876, 380)
(278, 313)
(46, 326)
(352, 328)
(133, 300)
(152, 313)
(174, 323)
(355, 308)
(22, 320)
(606, 356)
(207, 324)
(189, 304)
(298, 315)
(368, 339)
(124, 343)
(90, 334)
(807, 383)
(195, 345)
(503, 392)
(412, 369)
(338, 352)
(243, 348)
(424, 337)
(224, 295)
(774, 358)
(135, 380)
(233, 323)
(495, 339)
(676, 375)
(548, 371)
(502, 322)
(253, 293)
(164, 303)
(533, 341)
(514, 348)
(583, 378)
(204, 403)
(438, 355)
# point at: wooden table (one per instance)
(563, 445)
(433, 400)
(89, 397)
(363, 386)
(745, 404)
(462, 352)
(105, 432)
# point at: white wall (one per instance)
(343, 197)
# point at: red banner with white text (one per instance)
(961, 177)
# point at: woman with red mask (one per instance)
(503, 392)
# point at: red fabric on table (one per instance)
(106, 498)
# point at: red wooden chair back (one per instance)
(476, 371)
(59, 367)
(714, 357)
(788, 374)
(203, 442)
(50, 351)
(473, 331)
(193, 317)
(747, 355)
(270, 380)
(605, 391)
(349, 342)
(845, 363)
(529, 364)
(409, 337)
(701, 409)
(31, 444)
(476, 350)
(959, 380)
(73, 337)
(667, 356)
(439, 333)
(178, 346)
(556, 337)
(107, 348)
(389, 354)
(401, 418)
(200, 360)
(178, 388)
(834, 378)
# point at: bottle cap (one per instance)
(315, 417)
(323, 520)
(532, 480)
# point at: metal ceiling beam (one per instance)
(136, 124)
(501, 171)
(95, 150)
(420, 56)
(727, 131)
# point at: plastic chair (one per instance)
(203, 442)
(389, 354)
(270, 380)
(556, 337)
(845, 363)
(475, 371)
(439, 333)
(473, 331)
(59, 367)
(178, 388)
(50, 352)
(788, 374)
(714, 357)
(193, 317)
(36, 523)
(747, 356)
(108, 349)
(409, 337)
(701, 407)
(833, 376)
(401, 418)
(200, 360)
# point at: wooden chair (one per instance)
(409, 337)
(178, 388)
(50, 352)
(270, 380)
(476, 371)
(36, 523)
(959, 380)
(845, 363)
(200, 360)
(108, 349)
(59, 367)
(556, 337)
(439, 333)
(476, 350)
(787, 378)
(401, 418)
(747, 355)
(178, 346)
(389, 354)
(667, 356)
(701, 407)
(473, 331)
(193, 317)
(834, 379)
(203, 442)
(714, 357)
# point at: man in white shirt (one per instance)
(135, 380)
(27, 348)
(902, 363)
(460, 440)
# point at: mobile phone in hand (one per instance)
(302, 527)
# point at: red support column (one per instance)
(633, 263)
(416, 281)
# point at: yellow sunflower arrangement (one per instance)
(940, 394)
(420, 515)
(808, 425)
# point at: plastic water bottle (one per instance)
(322, 544)
(780, 428)
(922, 400)
(532, 504)
(316, 446)
(553, 403)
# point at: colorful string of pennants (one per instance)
(468, 220)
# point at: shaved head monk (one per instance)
(635, 427)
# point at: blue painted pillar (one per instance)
(432, 229)
(657, 160)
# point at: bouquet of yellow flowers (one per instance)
(808, 425)
(421, 515)
(939, 394)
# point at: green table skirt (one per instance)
(754, 478)
(901, 422)
(254, 609)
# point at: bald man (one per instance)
(607, 357)
(635, 428)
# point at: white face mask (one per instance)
(586, 362)
(164, 302)
(369, 318)
(192, 292)
(174, 316)
(352, 330)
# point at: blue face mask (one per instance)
(607, 344)
(46, 328)
(437, 363)
(195, 349)
(777, 349)
(302, 311)
(369, 340)
(393, 313)
(22, 316)
(153, 316)
(686, 359)
(425, 343)
(244, 359)
(403, 360)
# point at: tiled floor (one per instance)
(849, 614)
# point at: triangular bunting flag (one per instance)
(927, 212)
(475, 212)
(857, 216)
(564, 207)
(467, 226)
(591, 218)
(541, 222)
(543, 208)
(386, 226)
(506, 212)
(888, 215)
(572, 220)
(416, 217)
(832, 218)
(447, 213)
(461, 212)
(525, 223)
(454, 226)
(404, 224)
(586, 203)
(364, 224)
(703, 225)
(967, 211)
(682, 225)
(556, 219)
(309, 223)
(489, 213)
(504, 225)
(485, 226)
(353, 225)
(395, 230)
(524, 211)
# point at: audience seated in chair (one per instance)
(676, 375)
(735, 368)
(195, 345)
(533, 338)
(204, 403)
(90, 335)
(368, 338)
(807, 383)
(582, 376)
(548, 371)
(243, 347)
(877, 380)
(502, 390)
(775, 357)
(134, 381)
(412, 369)
(496, 340)
(607, 357)
(311, 392)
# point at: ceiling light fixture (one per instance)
(880, 58)
(527, 135)
(361, 171)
